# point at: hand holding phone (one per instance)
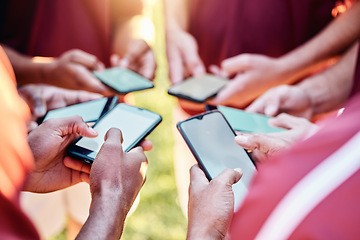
(211, 141)
(135, 124)
(123, 80)
(198, 89)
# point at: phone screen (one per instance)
(211, 140)
(198, 89)
(247, 122)
(90, 111)
(123, 80)
(135, 124)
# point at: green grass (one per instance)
(158, 215)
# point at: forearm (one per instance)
(329, 89)
(27, 69)
(176, 14)
(106, 218)
(335, 39)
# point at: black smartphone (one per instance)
(245, 121)
(135, 124)
(211, 140)
(198, 89)
(90, 111)
(123, 80)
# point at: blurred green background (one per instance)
(158, 215)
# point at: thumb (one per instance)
(230, 176)
(74, 125)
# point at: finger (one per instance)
(261, 142)
(77, 165)
(85, 177)
(198, 179)
(86, 59)
(135, 50)
(229, 176)
(148, 65)
(235, 86)
(287, 121)
(236, 64)
(192, 60)
(146, 145)
(73, 125)
(175, 63)
(242, 139)
(87, 81)
(114, 135)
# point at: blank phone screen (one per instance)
(212, 142)
(133, 122)
(89, 111)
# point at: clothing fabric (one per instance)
(15, 156)
(49, 28)
(334, 217)
(227, 28)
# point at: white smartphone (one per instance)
(90, 111)
(211, 140)
(135, 124)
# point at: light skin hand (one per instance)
(183, 56)
(289, 99)
(48, 143)
(73, 70)
(253, 75)
(138, 57)
(264, 146)
(211, 204)
(42, 98)
(116, 178)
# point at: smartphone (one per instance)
(90, 111)
(245, 121)
(135, 124)
(123, 80)
(198, 89)
(211, 140)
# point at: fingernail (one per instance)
(92, 131)
(124, 63)
(241, 139)
(40, 110)
(238, 170)
(198, 71)
(270, 110)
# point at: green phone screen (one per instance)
(248, 122)
(123, 80)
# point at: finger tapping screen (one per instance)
(133, 126)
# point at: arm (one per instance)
(115, 180)
(181, 47)
(130, 49)
(73, 69)
(254, 74)
(317, 94)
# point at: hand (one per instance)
(183, 57)
(48, 143)
(73, 70)
(42, 98)
(116, 178)
(264, 146)
(289, 99)
(254, 74)
(211, 204)
(139, 58)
